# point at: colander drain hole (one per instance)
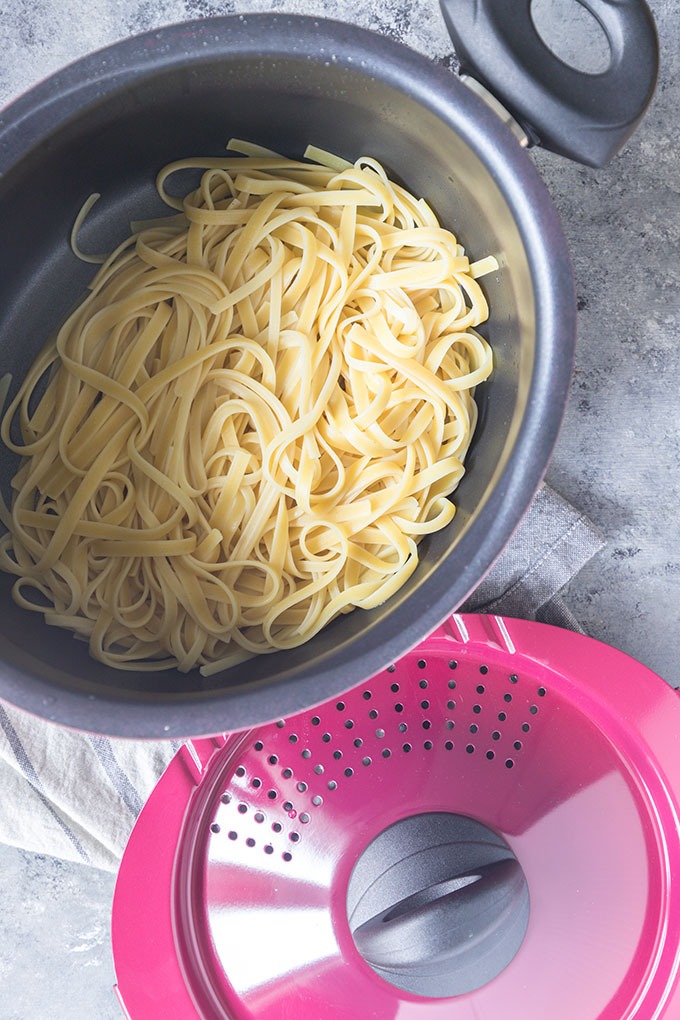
(251, 842)
(430, 713)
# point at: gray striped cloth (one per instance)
(76, 796)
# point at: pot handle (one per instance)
(587, 117)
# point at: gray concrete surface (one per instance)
(618, 457)
(55, 960)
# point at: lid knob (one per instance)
(465, 912)
(437, 905)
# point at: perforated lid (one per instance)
(506, 785)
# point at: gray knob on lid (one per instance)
(465, 912)
(444, 919)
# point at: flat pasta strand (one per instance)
(246, 427)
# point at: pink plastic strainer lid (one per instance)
(246, 885)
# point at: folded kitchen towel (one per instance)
(76, 796)
(549, 547)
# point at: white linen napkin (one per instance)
(76, 796)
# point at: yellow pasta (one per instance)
(245, 428)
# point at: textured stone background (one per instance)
(618, 457)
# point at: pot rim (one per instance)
(62, 96)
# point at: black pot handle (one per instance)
(587, 117)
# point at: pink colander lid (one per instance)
(487, 830)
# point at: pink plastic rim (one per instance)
(622, 783)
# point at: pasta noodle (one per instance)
(247, 425)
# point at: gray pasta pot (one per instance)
(108, 122)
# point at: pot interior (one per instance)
(364, 96)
